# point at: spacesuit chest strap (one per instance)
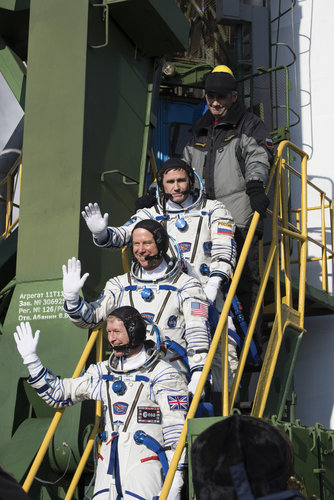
(133, 406)
(130, 290)
(162, 308)
(109, 405)
(198, 232)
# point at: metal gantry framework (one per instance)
(95, 337)
(287, 315)
(11, 183)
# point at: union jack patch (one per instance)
(178, 402)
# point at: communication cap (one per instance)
(172, 164)
(134, 324)
(160, 235)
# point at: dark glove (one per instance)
(258, 199)
(146, 201)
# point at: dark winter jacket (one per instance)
(228, 155)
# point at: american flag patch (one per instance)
(178, 402)
(199, 309)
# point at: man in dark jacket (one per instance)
(232, 151)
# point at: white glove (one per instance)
(95, 222)
(194, 382)
(72, 283)
(25, 342)
(176, 487)
(212, 287)
(26, 345)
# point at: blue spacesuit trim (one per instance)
(178, 349)
(107, 377)
(154, 445)
(161, 217)
(76, 309)
(135, 495)
(33, 380)
(106, 490)
(44, 388)
(253, 355)
(142, 378)
(220, 274)
(113, 467)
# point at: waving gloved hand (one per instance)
(176, 486)
(194, 382)
(258, 199)
(25, 342)
(95, 222)
(211, 288)
(72, 283)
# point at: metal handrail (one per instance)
(280, 224)
(8, 201)
(281, 227)
(96, 336)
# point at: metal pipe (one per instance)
(56, 419)
(95, 430)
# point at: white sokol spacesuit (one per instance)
(204, 231)
(145, 403)
(167, 297)
(202, 228)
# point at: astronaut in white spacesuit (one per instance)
(163, 294)
(144, 407)
(204, 230)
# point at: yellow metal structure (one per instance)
(277, 258)
(12, 182)
(277, 263)
(96, 336)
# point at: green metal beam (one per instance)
(13, 71)
(14, 4)
(156, 27)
